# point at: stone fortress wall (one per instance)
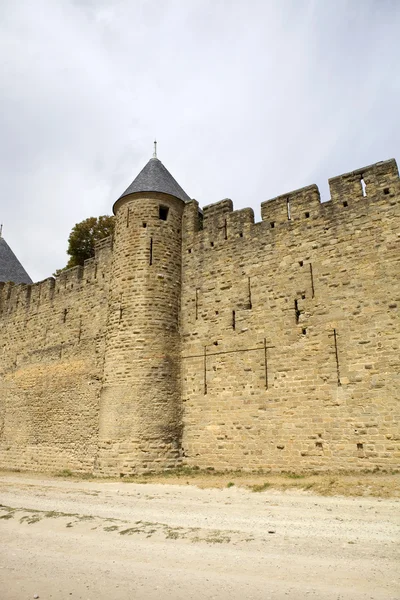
(290, 329)
(51, 367)
(215, 342)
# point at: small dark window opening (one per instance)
(301, 263)
(318, 444)
(386, 191)
(241, 234)
(345, 203)
(189, 251)
(304, 331)
(360, 446)
(144, 224)
(212, 244)
(307, 214)
(163, 213)
(233, 319)
(65, 314)
(303, 296)
(272, 224)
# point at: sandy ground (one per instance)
(92, 540)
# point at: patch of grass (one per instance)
(178, 473)
(64, 473)
(111, 528)
(370, 482)
(30, 519)
(86, 476)
(8, 516)
(260, 487)
(218, 539)
(54, 514)
(172, 535)
(230, 484)
(130, 531)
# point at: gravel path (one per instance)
(92, 540)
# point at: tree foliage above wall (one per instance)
(83, 237)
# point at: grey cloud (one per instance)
(247, 100)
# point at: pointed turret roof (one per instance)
(10, 267)
(154, 177)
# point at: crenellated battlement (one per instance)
(30, 297)
(376, 179)
(366, 189)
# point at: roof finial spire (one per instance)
(155, 149)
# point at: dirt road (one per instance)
(95, 540)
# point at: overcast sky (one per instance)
(248, 99)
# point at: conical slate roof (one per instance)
(10, 267)
(154, 177)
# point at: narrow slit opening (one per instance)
(363, 186)
(296, 310)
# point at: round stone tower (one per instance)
(140, 411)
